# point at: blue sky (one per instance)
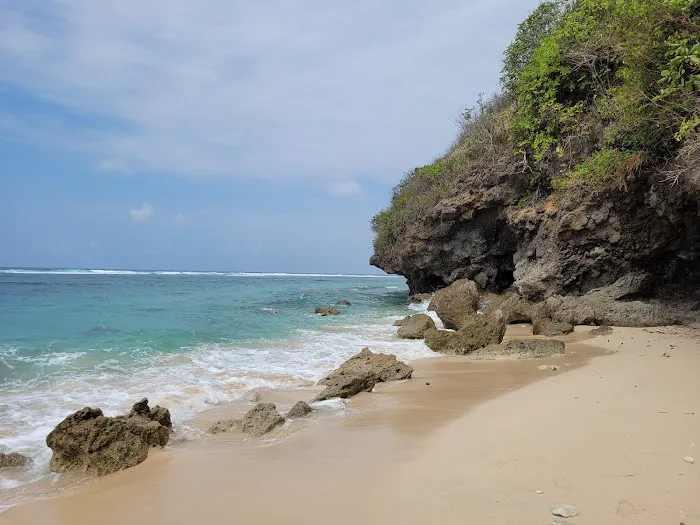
(227, 135)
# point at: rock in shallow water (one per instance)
(330, 310)
(360, 373)
(13, 460)
(477, 332)
(89, 442)
(258, 421)
(301, 409)
(415, 326)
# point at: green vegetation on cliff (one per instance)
(593, 92)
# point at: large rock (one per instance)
(514, 308)
(608, 306)
(477, 332)
(324, 311)
(13, 460)
(360, 373)
(521, 349)
(415, 327)
(89, 442)
(258, 421)
(159, 414)
(550, 328)
(456, 303)
(401, 322)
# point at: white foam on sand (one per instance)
(186, 382)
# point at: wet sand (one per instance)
(606, 432)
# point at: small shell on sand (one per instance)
(689, 459)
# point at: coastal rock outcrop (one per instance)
(258, 421)
(89, 442)
(300, 409)
(455, 303)
(329, 310)
(521, 349)
(476, 332)
(360, 373)
(415, 327)
(401, 322)
(514, 308)
(13, 460)
(550, 328)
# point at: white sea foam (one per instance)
(73, 271)
(187, 382)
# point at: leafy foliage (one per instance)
(594, 92)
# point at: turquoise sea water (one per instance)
(189, 341)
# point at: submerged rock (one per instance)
(258, 421)
(360, 373)
(456, 303)
(521, 349)
(344, 302)
(324, 311)
(89, 442)
(477, 332)
(415, 326)
(301, 409)
(13, 460)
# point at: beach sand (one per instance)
(607, 432)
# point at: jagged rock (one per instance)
(344, 302)
(88, 441)
(301, 409)
(157, 413)
(545, 326)
(360, 373)
(330, 310)
(604, 306)
(521, 349)
(419, 297)
(402, 322)
(514, 308)
(13, 460)
(455, 303)
(601, 330)
(415, 327)
(258, 421)
(477, 332)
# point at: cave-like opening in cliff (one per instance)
(504, 279)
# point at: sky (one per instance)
(227, 135)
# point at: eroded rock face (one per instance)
(258, 421)
(455, 303)
(521, 349)
(559, 247)
(402, 322)
(89, 442)
(13, 460)
(514, 308)
(324, 311)
(415, 327)
(477, 332)
(360, 373)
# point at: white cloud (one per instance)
(142, 214)
(345, 188)
(275, 89)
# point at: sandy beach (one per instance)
(462, 442)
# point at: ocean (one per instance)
(185, 340)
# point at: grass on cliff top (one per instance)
(594, 91)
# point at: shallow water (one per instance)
(188, 341)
